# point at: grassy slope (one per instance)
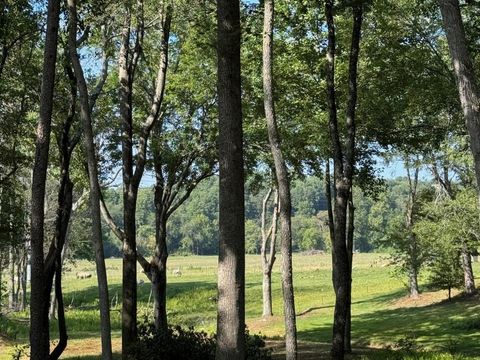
(379, 319)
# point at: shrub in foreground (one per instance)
(187, 344)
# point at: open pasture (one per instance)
(381, 315)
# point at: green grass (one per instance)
(377, 321)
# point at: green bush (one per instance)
(187, 344)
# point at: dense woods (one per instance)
(153, 129)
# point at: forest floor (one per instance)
(383, 318)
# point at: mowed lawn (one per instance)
(381, 314)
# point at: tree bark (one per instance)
(283, 185)
(231, 255)
(39, 332)
(412, 266)
(467, 85)
(268, 251)
(344, 162)
(62, 326)
(95, 193)
(467, 270)
(350, 233)
(11, 285)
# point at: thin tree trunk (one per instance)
(268, 259)
(328, 195)
(18, 276)
(283, 184)
(409, 222)
(231, 255)
(39, 332)
(75, 206)
(53, 300)
(1, 293)
(23, 302)
(159, 274)
(95, 194)
(468, 90)
(350, 233)
(11, 271)
(62, 327)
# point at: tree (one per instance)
(87, 104)
(450, 228)
(231, 256)
(413, 262)
(283, 184)
(467, 83)
(268, 249)
(445, 187)
(344, 163)
(39, 334)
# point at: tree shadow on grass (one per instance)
(440, 327)
(83, 316)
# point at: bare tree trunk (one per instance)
(23, 300)
(413, 282)
(467, 270)
(18, 277)
(468, 90)
(344, 162)
(62, 327)
(39, 332)
(53, 300)
(268, 259)
(1, 279)
(231, 255)
(412, 266)
(350, 233)
(95, 193)
(159, 274)
(283, 184)
(11, 284)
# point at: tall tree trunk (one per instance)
(468, 90)
(159, 272)
(39, 332)
(350, 233)
(129, 272)
(283, 184)
(343, 170)
(268, 259)
(95, 193)
(467, 270)
(1, 279)
(412, 266)
(23, 303)
(62, 327)
(231, 255)
(11, 283)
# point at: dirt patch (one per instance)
(89, 346)
(256, 326)
(424, 299)
(311, 350)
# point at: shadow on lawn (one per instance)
(82, 312)
(438, 326)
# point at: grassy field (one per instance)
(381, 314)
